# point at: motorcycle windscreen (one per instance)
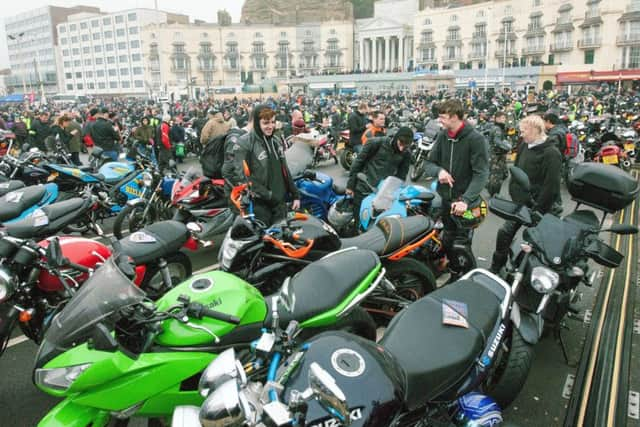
(99, 298)
(555, 238)
(299, 158)
(386, 193)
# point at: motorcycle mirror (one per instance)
(102, 340)
(25, 147)
(520, 177)
(328, 394)
(54, 252)
(623, 229)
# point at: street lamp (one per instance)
(15, 38)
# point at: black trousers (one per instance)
(505, 236)
(269, 214)
(456, 242)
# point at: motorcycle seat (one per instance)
(155, 241)
(58, 215)
(324, 284)
(390, 234)
(9, 186)
(583, 219)
(435, 356)
(422, 195)
(14, 203)
(339, 187)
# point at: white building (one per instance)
(31, 40)
(101, 54)
(197, 58)
(385, 42)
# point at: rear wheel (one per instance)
(179, 267)
(347, 156)
(131, 218)
(511, 370)
(417, 170)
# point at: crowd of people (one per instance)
(468, 155)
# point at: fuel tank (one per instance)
(114, 171)
(325, 238)
(367, 375)
(218, 291)
(79, 251)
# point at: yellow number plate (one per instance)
(512, 157)
(629, 147)
(610, 160)
(52, 177)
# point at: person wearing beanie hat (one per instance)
(381, 157)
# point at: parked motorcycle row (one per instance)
(284, 332)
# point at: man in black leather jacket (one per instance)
(357, 126)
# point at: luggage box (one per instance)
(603, 187)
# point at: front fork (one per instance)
(8, 317)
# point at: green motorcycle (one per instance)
(114, 354)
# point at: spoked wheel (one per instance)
(412, 280)
(179, 267)
(347, 156)
(511, 370)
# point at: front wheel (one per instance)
(132, 218)
(511, 370)
(347, 156)
(417, 170)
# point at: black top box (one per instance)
(603, 187)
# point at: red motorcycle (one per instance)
(611, 154)
(38, 278)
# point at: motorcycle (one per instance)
(423, 148)
(25, 201)
(556, 251)
(110, 337)
(264, 256)
(611, 154)
(38, 278)
(27, 167)
(444, 372)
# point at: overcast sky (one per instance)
(200, 9)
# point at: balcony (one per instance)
(231, 68)
(447, 59)
(478, 37)
(426, 44)
(534, 30)
(532, 50)
(500, 54)
(628, 39)
(206, 67)
(591, 18)
(561, 47)
(178, 69)
(260, 68)
(589, 43)
(477, 55)
(453, 42)
(428, 61)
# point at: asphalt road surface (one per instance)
(542, 402)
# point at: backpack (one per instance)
(572, 145)
(212, 157)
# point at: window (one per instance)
(63, 40)
(68, 76)
(86, 50)
(97, 49)
(132, 17)
(101, 85)
(85, 37)
(106, 21)
(78, 75)
(138, 83)
(111, 59)
(283, 34)
(74, 39)
(122, 45)
(120, 32)
(589, 56)
(126, 84)
(69, 87)
(65, 52)
(119, 19)
(83, 26)
(137, 71)
(124, 71)
(73, 27)
(75, 51)
(134, 30)
(95, 23)
(79, 86)
(332, 32)
(108, 34)
(108, 47)
(112, 72)
(96, 36)
(136, 57)
(123, 58)
(91, 85)
(537, 3)
(99, 61)
(100, 73)
(205, 35)
(535, 23)
(257, 36)
(67, 64)
(62, 29)
(453, 34)
(480, 14)
(453, 18)
(113, 85)
(427, 21)
(135, 44)
(88, 74)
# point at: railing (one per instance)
(592, 14)
(587, 43)
(630, 38)
(532, 50)
(479, 36)
(452, 58)
(477, 55)
(499, 54)
(561, 47)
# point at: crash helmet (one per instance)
(341, 213)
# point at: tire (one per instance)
(412, 280)
(417, 170)
(346, 158)
(130, 219)
(511, 370)
(358, 322)
(180, 268)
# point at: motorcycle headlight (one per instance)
(6, 284)
(228, 250)
(226, 406)
(147, 179)
(544, 280)
(59, 378)
(225, 367)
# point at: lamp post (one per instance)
(15, 38)
(486, 51)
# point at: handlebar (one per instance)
(199, 311)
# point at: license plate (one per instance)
(512, 157)
(629, 147)
(52, 177)
(610, 160)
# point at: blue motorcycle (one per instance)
(23, 202)
(393, 197)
